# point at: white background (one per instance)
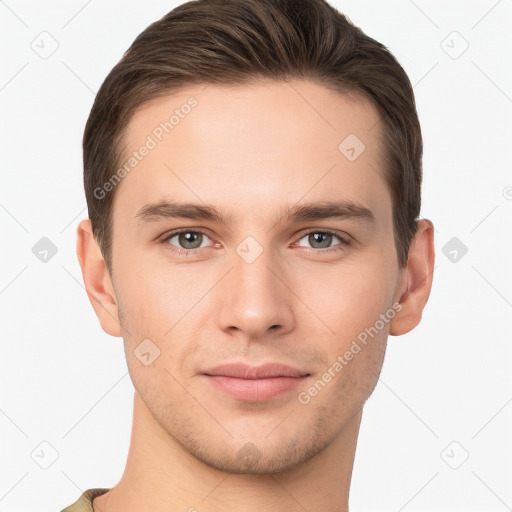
(64, 382)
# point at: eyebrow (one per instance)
(306, 212)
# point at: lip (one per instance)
(264, 371)
(255, 383)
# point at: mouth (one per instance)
(255, 383)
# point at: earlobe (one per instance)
(97, 280)
(416, 281)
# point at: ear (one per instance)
(416, 280)
(98, 284)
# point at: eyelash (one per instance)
(190, 252)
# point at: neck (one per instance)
(160, 475)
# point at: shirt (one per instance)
(84, 503)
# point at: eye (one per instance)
(187, 240)
(323, 240)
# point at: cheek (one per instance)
(348, 299)
(155, 298)
(159, 305)
(352, 304)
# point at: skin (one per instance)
(252, 151)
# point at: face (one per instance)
(272, 279)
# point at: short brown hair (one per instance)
(234, 42)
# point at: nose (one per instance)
(255, 298)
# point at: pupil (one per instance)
(317, 238)
(189, 238)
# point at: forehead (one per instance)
(255, 147)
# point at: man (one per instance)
(253, 177)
